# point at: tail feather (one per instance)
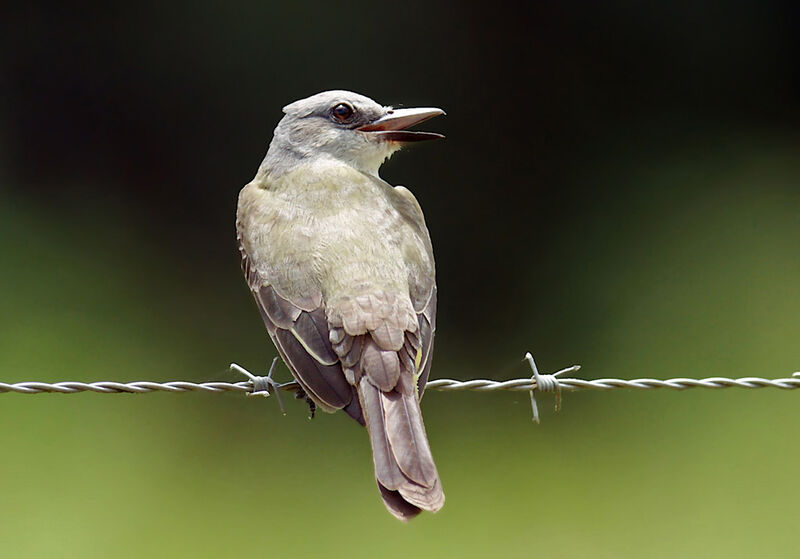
(387, 471)
(404, 467)
(407, 438)
(398, 506)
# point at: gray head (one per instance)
(345, 126)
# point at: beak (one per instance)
(392, 126)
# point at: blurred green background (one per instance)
(620, 188)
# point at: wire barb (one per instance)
(544, 383)
(262, 386)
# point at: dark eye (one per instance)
(342, 112)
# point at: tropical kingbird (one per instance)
(341, 267)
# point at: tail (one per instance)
(404, 468)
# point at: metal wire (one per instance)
(546, 383)
(443, 385)
(139, 387)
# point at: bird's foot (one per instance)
(300, 394)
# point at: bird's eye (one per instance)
(342, 112)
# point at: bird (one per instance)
(341, 267)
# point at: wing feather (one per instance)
(279, 310)
(311, 330)
(427, 331)
(326, 382)
(303, 341)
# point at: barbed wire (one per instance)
(266, 386)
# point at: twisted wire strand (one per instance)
(573, 384)
(138, 387)
(443, 385)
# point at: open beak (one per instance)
(393, 125)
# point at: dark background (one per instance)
(619, 187)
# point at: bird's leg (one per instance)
(300, 394)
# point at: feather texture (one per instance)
(351, 307)
(382, 367)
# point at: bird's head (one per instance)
(345, 126)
